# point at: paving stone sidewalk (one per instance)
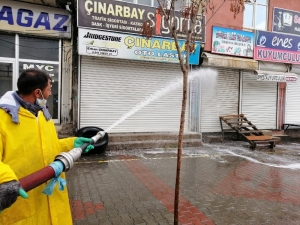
(216, 188)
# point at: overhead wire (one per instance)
(20, 51)
(30, 46)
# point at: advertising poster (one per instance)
(124, 17)
(127, 46)
(277, 47)
(286, 21)
(232, 42)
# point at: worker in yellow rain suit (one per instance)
(28, 143)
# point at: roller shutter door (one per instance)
(259, 101)
(110, 88)
(219, 96)
(292, 109)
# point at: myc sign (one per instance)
(232, 42)
(126, 17)
(135, 47)
(277, 47)
(34, 19)
(286, 21)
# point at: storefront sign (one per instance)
(286, 21)
(34, 19)
(127, 46)
(51, 69)
(277, 47)
(277, 78)
(232, 42)
(126, 17)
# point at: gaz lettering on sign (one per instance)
(34, 19)
(126, 17)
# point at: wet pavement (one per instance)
(222, 184)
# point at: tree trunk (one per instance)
(180, 140)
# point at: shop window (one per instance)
(6, 74)
(39, 49)
(7, 45)
(154, 3)
(255, 14)
(145, 2)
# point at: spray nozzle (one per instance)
(98, 136)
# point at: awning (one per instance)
(228, 61)
(263, 75)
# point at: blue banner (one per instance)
(277, 47)
(232, 42)
(277, 41)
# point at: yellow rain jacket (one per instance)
(25, 148)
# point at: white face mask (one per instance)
(41, 102)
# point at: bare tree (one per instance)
(192, 12)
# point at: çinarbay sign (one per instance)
(123, 17)
(34, 19)
(135, 47)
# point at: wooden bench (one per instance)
(287, 125)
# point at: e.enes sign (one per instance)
(116, 16)
(277, 47)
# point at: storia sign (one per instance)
(116, 16)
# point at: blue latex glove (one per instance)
(80, 141)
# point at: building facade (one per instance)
(257, 60)
(37, 36)
(122, 81)
(127, 82)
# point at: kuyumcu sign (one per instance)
(117, 16)
(34, 19)
(277, 47)
(130, 46)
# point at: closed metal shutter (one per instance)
(271, 66)
(219, 97)
(292, 109)
(259, 101)
(110, 88)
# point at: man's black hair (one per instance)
(32, 79)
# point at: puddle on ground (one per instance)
(283, 156)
